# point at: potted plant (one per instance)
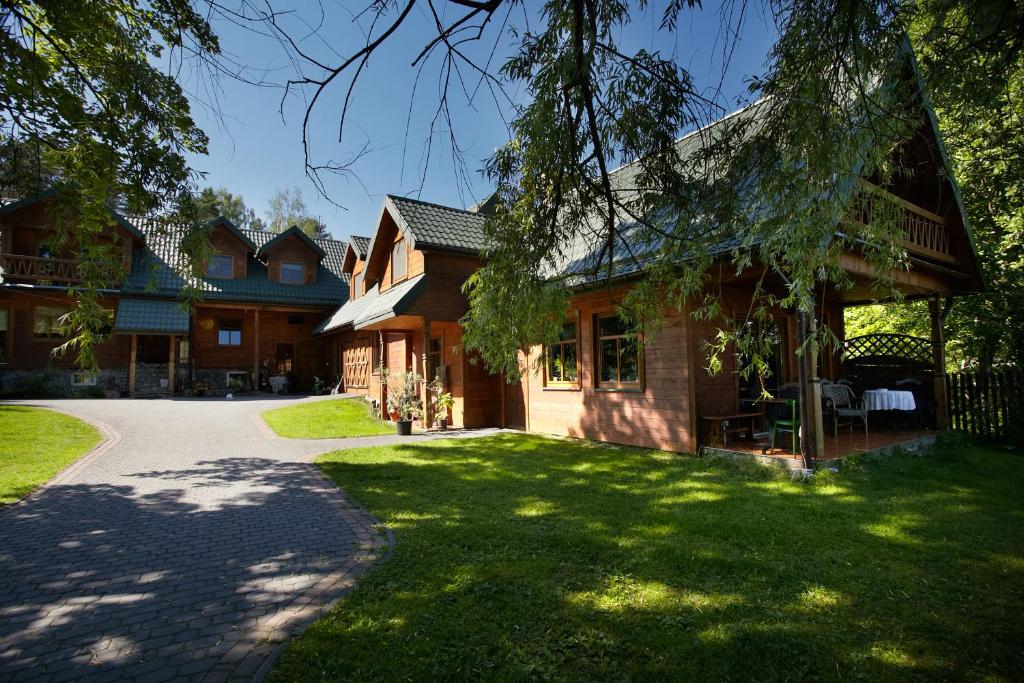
(442, 404)
(404, 402)
(200, 388)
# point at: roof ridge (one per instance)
(434, 204)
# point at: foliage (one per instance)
(288, 208)
(403, 391)
(38, 444)
(213, 203)
(444, 402)
(88, 392)
(87, 106)
(519, 557)
(972, 54)
(32, 384)
(326, 419)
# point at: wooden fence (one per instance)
(988, 404)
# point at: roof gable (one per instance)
(223, 223)
(280, 238)
(53, 193)
(357, 250)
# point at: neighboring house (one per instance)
(404, 305)
(262, 296)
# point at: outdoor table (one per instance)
(886, 399)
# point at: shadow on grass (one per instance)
(521, 557)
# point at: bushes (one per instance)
(33, 384)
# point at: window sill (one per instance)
(620, 390)
(565, 387)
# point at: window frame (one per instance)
(52, 335)
(230, 326)
(565, 385)
(214, 257)
(357, 280)
(83, 379)
(281, 270)
(618, 384)
(395, 279)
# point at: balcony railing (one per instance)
(924, 232)
(39, 268)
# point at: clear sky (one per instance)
(256, 134)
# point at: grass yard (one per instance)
(520, 557)
(326, 419)
(36, 444)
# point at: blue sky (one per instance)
(256, 138)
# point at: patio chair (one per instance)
(842, 404)
(789, 424)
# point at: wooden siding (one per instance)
(293, 249)
(223, 242)
(658, 416)
(26, 352)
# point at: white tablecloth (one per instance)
(882, 399)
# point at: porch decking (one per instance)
(836, 447)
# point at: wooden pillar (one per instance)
(692, 368)
(170, 366)
(803, 382)
(525, 380)
(939, 361)
(428, 411)
(383, 384)
(814, 396)
(256, 351)
(131, 365)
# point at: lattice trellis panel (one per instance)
(891, 349)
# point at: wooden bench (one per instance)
(719, 427)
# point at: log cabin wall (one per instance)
(655, 416)
(25, 351)
(294, 250)
(223, 242)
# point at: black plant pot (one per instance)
(404, 427)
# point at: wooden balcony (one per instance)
(39, 269)
(924, 232)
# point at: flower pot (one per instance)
(403, 427)
(442, 424)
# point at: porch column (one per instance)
(817, 418)
(427, 408)
(131, 365)
(256, 352)
(170, 366)
(939, 361)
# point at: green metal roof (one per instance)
(150, 316)
(294, 231)
(433, 226)
(160, 270)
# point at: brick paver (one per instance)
(187, 548)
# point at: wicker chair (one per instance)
(843, 405)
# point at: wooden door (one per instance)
(515, 405)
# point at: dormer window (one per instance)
(357, 286)
(293, 272)
(221, 266)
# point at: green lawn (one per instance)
(326, 419)
(520, 557)
(36, 444)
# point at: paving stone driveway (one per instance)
(188, 549)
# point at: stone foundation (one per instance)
(59, 382)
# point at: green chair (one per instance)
(787, 424)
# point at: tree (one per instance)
(288, 208)
(213, 203)
(833, 103)
(81, 89)
(972, 54)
